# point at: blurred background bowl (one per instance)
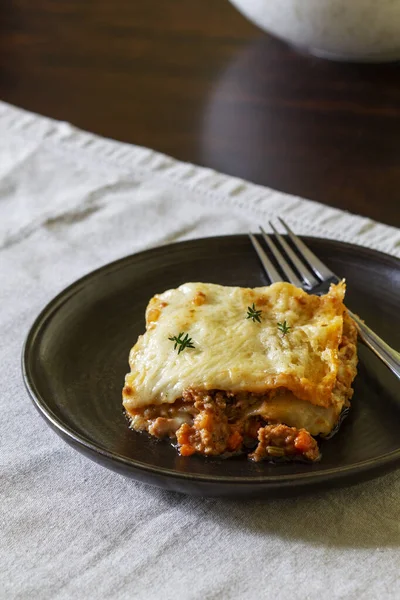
(347, 30)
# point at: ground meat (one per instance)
(213, 423)
(280, 440)
(210, 433)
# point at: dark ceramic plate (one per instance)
(76, 356)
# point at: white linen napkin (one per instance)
(71, 202)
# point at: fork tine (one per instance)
(308, 278)
(284, 265)
(270, 270)
(321, 270)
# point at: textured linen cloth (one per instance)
(72, 529)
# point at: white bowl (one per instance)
(350, 30)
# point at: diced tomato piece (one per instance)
(234, 441)
(205, 421)
(303, 442)
(183, 434)
(186, 450)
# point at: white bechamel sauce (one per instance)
(234, 353)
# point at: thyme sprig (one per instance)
(182, 341)
(254, 314)
(284, 328)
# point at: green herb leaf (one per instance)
(284, 328)
(254, 314)
(182, 341)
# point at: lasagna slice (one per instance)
(225, 369)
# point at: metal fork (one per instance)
(316, 280)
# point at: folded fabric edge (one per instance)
(307, 216)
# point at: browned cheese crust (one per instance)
(216, 422)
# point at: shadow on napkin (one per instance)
(364, 516)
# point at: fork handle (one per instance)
(387, 355)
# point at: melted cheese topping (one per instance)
(233, 353)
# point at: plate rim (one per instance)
(385, 462)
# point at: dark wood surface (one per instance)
(194, 79)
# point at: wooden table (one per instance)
(194, 79)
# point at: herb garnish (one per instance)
(254, 314)
(182, 342)
(284, 327)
